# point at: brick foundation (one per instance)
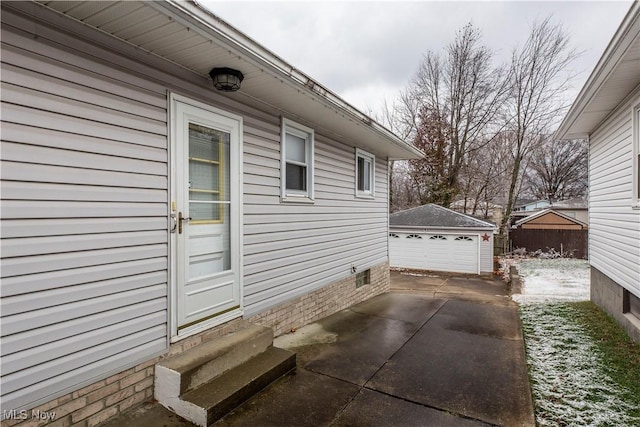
(96, 403)
(608, 295)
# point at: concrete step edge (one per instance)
(220, 396)
(200, 364)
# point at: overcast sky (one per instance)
(367, 51)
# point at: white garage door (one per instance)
(438, 252)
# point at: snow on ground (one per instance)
(568, 380)
(548, 280)
(569, 384)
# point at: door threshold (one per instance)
(206, 324)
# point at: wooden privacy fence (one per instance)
(571, 243)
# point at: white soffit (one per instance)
(188, 35)
(615, 76)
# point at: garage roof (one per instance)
(431, 215)
(188, 35)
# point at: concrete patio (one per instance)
(437, 350)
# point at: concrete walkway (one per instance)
(436, 351)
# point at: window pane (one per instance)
(295, 148)
(296, 177)
(364, 174)
(367, 175)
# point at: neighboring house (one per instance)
(550, 219)
(607, 112)
(550, 229)
(574, 208)
(144, 211)
(431, 237)
(531, 205)
(489, 211)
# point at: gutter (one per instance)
(610, 58)
(433, 227)
(190, 12)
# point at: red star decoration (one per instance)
(485, 238)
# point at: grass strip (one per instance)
(620, 355)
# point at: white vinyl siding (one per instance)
(614, 225)
(293, 249)
(84, 205)
(486, 252)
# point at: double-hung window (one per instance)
(297, 162)
(365, 174)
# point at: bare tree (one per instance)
(394, 118)
(461, 93)
(484, 176)
(558, 169)
(539, 78)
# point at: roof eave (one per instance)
(617, 47)
(437, 227)
(191, 14)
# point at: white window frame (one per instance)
(292, 128)
(367, 157)
(635, 126)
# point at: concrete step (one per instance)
(211, 401)
(181, 373)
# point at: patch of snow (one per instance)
(553, 280)
(569, 384)
(404, 273)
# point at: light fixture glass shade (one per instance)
(226, 79)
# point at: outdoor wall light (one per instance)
(226, 79)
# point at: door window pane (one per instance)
(204, 142)
(208, 184)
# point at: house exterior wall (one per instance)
(85, 189)
(97, 402)
(614, 224)
(292, 249)
(610, 296)
(84, 229)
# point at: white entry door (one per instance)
(206, 217)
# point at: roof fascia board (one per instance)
(546, 211)
(617, 47)
(192, 15)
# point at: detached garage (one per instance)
(431, 237)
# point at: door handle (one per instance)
(180, 220)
